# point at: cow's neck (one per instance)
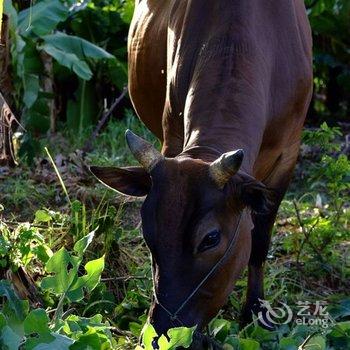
(217, 92)
(208, 135)
(210, 142)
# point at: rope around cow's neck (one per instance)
(174, 316)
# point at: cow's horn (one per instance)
(143, 151)
(226, 166)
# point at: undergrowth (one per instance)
(76, 274)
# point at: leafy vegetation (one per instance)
(94, 289)
(75, 272)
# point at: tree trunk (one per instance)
(7, 157)
(48, 86)
(7, 119)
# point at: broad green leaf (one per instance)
(12, 13)
(43, 252)
(31, 89)
(69, 60)
(64, 270)
(180, 337)
(288, 344)
(163, 343)
(60, 343)
(42, 216)
(248, 344)
(340, 310)
(74, 45)
(42, 17)
(37, 322)
(9, 338)
(149, 333)
(91, 340)
(220, 329)
(127, 11)
(71, 51)
(316, 343)
(15, 304)
(12, 318)
(340, 329)
(88, 282)
(81, 246)
(3, 321)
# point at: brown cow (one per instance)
(213, 79)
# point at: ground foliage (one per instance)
(91, 269)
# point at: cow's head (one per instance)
(194, 214)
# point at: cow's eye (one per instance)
(211, 240)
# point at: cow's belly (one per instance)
(147, 49)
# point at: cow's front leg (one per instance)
(278, 180)
(261, 236)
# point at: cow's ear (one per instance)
(131, 181)
(256, 195)
(252, 193)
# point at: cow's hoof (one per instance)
(203, 342)
(256, 311)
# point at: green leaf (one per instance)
(71, 51)
(60, 343)
(12, 13)
(127, 11)
(42, 17)
(288, 344)
(76, 206)
(81, 246)
(92, 340)
(163, 343)
(79, 47)
(89, 281)
(64, 268)
(10, 339)
(340, 310)
(3, 321)
(149, 334)
(70, 61)
(37, 322)
(43, 253)
(248, 344)
(180, 337)
(316, 343)
(220, 329)
(15, 304)
(31, 89)
(42, 216)
(340, 329)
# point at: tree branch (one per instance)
(103, 120)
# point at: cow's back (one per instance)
(147, 49)
(177, 46)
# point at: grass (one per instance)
(309, 260)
